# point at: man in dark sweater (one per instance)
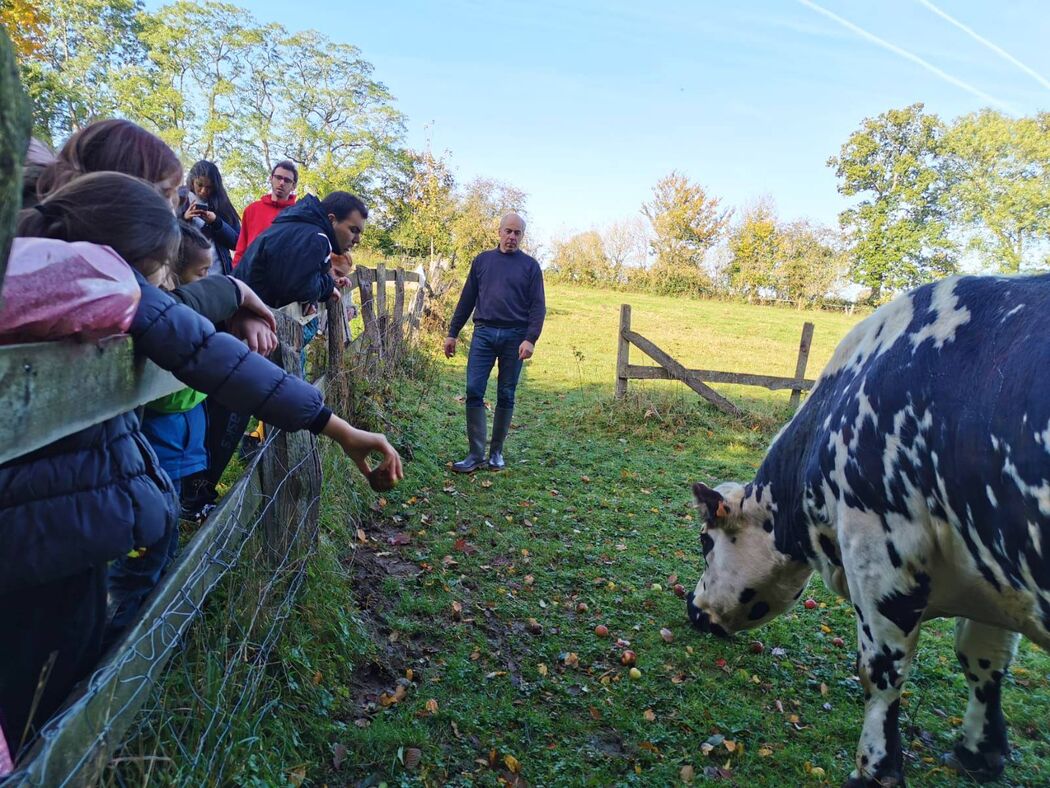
(504, 290)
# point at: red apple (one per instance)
(810, 603)
(601, 631)
(679, 590)
(838, 642)
(757, 647)
(628, 657)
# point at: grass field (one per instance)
(452, 640)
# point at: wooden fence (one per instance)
(696, 379)
(49, 390)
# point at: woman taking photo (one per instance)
(209, 209)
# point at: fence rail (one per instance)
(276, 501)
(696, 379)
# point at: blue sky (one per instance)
(585, 104)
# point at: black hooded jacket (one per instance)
(291, 260)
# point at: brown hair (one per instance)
(115, 145)
(193, 246)
(113, 209)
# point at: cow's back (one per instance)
(939, 404)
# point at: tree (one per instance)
(898, 232)
(25, 22)
(84, 46)
(1000, 186)
(625, 243)
(754, 248)
(581, 259)
(810, 263)
(479, 209)
(685, 222)
(426, 208)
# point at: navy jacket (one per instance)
(94, 495)
(505, 290)
(290, 261)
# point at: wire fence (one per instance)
(168, 704)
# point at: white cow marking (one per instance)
(950, 316)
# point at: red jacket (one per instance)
(257, 217)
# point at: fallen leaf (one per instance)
(541, 669)
(338, 756)
(687, 773)
(463, 546)
(764, 752)
(823, 688)
(432, 706)
(511, 763)
(595, 714)
(570, 659)
(400, 538)
(495, 674)
(457, 611)
(486, 483)
(729, 745)
(361, 536)
(649, 715)
(412, 757)
(296, 775)
(318, 678)
(361, 722)
(667, 635)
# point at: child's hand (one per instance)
(358, 444)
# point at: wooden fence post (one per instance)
(15, 124)
(415, 313)
(292, 454)
(399, 302)
(623, 351)
(800, 364)
(372, 333)
(335, 381)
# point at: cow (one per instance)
(916, 480)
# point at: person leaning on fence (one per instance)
(288, 265)
(504, 290)
(72, 506)
(259, 215)
(175, 426)
(208, 208)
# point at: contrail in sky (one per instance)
(996, 49)
(882, 42)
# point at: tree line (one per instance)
(215, 83)
(928, 197)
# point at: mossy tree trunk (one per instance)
(15, 124)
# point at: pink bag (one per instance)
(56, 289)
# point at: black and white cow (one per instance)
(916, 480)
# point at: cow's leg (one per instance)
(889, 603)
(984, 653)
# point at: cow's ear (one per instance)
(711, 502)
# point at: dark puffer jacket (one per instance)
(290, 262)
(96, 494)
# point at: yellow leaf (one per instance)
(541, 669)
(432, 706)
(730, 745)
(825, 629)
(649, 715)
(764, 752)
(409, 674)
(318, 678)
(511, 763)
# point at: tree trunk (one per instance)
(15, 124)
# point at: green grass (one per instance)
(481, 593)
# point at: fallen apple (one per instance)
(679, 590)
(380, 479)
(838, 642)
(810, 604)
(601, 631)
(628, 657)
(634, 673)
(757, 647)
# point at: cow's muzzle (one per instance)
(701, 619)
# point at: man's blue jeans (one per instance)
(490, 346)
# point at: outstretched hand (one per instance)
(359, 444)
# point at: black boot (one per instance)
(476, 440)
(500, 427)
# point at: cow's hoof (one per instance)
(976, 766)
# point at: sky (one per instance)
(585, 104)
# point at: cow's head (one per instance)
(747, 581)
